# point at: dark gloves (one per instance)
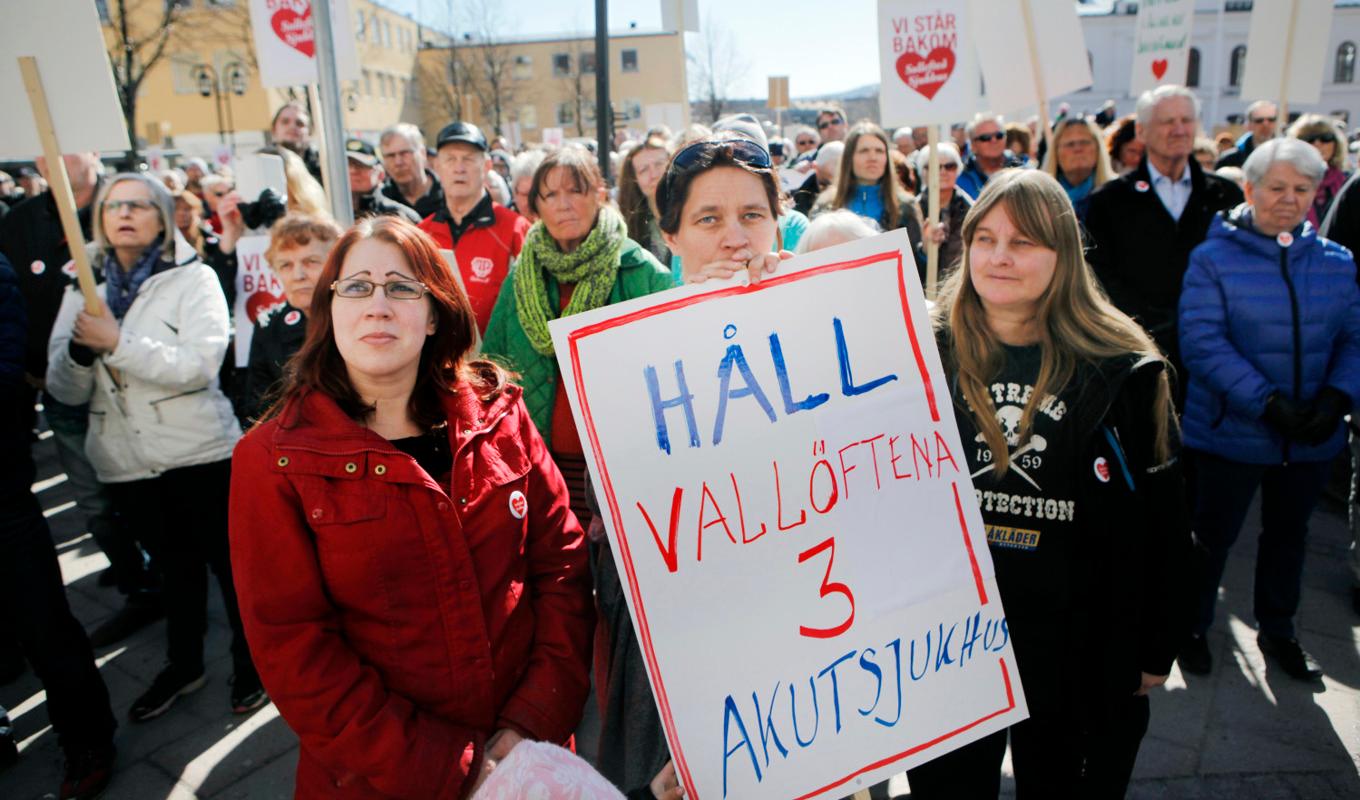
(1285, 416)
(1328, 409)
(80, 354)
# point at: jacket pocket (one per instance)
(157, 408)
(343, 520)
(1222, 412)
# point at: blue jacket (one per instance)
(1258, 317)
(971, 178)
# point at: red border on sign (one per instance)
(625, 551)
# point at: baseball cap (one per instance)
(464, 132)
(361, 151)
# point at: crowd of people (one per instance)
(1197, 320)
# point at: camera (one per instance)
(265, 211)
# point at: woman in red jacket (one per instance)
(413, 585)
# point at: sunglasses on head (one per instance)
(742, 150)
(990, 137)
(827, 123)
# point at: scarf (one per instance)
(121, 287)
(592, 267)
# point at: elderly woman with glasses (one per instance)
(1079, 161)
(1326, 134)
(954, 206)
(161, 430)
(577, 257)
(413, 582)
(1270, 337)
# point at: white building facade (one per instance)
(1217, 60)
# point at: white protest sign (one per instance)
(223, 156)
(1004, 55)
(65, 38)
(155, 159)
(258, 293)
(926, 62)
(285, 44)
(789, 507)
(553, 137)
(1278, 69)
(1161, 44)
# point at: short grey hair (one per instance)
(842, 224)
(209, 181)
(901, 133)
(160, 197)
(405, 130)
(525, 165)
(981, 118)
(830, 155)
(1258, 105)
(1297, 153)
(1149, 100)
(948, 154)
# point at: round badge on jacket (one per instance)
(1102, 468)
(1285, 238)
(1142, 186)
(37, 267)
(519, 504)
(69, 269)
(292, 317)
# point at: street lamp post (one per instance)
(208, 87)
(235, 78)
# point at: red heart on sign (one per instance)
(1159, 68)
(295, 30)
(926, 75)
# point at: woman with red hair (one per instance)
(413, 584)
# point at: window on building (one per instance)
(632, 109)
(360, 26)
(402, 86)
(561, 63)
(588, 62)
(368, 83)
(566, 114)
(184, 74)
(1345, 63)
(630, 60)
(374, 30)
(1237, 65)
(524, 68)
(1192, 68)
(528, 117)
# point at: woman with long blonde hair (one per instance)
(1079, 161)
(1063, 403)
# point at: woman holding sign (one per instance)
(412, 580)
(1065, 407)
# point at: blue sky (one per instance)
(823, 46)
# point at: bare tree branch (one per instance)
(716, 66)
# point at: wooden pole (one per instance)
(1037, 69)
(933, 186)
(1283, 121)
(60, 182)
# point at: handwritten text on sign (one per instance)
(1161, 43)
(926, 61)
(789, 508)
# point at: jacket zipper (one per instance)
(1294, 315)
(155, 404)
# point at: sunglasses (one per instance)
(827, 123)
(743, 151)
(114, 206)
(1259, 120)
(990, 137)
(949, 167)
(1314, 138)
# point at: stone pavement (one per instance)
(1246, 732)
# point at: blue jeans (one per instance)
(1289, 493)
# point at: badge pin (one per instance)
(519, 504)
(1102, 468)
(1285, 238)
(292, 317)
(37, 267)
(1142, 186)
(69, 270)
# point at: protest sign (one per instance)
(1013, 70)
(789, 507)
(926, 63)
(1285, 56)
(259, 293)
(1161, 44)
(285, 42)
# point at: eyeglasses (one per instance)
(742, 150)
(990, 137)
(357, 289)
(949, 167)
(1314, 138)
(827, 123)
(1259, 120)
(114, 206)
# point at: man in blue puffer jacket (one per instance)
(1270, 336)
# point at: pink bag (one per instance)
(542, 771)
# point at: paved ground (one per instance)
(1245, 732)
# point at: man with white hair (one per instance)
(409, 179)
(1143, 225)
(826, 164)
(1262, 117)
(987, 153)
(906, 143)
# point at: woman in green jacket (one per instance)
(577, 257)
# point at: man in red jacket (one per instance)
(484, 236)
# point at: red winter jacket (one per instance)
(492, 238)
(397, 623)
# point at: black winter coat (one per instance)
(1140, 252)
(1342, 223)
(270, 348)
(376, 204)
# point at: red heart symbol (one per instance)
(926, 75)
(262, 304)
(295, 30)
(1159, 68)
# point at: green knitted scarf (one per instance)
(592, 267)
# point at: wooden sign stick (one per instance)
(1037, 69)
(933, 173)
(1283, 122)
(60, 182)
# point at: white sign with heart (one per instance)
(1161, 44)
(285, 41)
